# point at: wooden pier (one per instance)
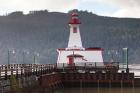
(22, 77)
(53, 76)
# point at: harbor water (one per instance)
(99, 90)
(133, 68)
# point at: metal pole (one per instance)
(126, 58)
(112, 57)
(23, 54)
(34, 59)
(8, 57)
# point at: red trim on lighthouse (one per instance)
(86, 49)
(61, 49)
(74, 19)
(75, 55)
(94, 49)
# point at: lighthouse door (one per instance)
(71, 61)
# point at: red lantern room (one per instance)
(74, 19)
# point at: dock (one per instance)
(51, 76)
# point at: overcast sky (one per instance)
(114, 8)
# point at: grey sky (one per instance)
(115, 8)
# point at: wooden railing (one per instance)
(88, 66)
(20, 70)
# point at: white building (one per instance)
(75, 53)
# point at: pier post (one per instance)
(85, 67)
(6, 71)
(110, 86)
(17, 66)
(21, 68)
(133, 86)
(0, 71)
(12, 70)
(41, 70)
(98, 86)
(95, 67)
(63, 67)
(121, 86)
(45, 69)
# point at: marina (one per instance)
(77, 69)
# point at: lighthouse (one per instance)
(75, 53)
(75, 37)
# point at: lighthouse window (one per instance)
(75, 30)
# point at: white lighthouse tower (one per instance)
(75, 53)
(75, 38)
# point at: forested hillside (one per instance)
(43, 32)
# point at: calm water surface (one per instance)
(99, 90)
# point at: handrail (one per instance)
(39, 69)
(25, 69)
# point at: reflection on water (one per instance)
(99, 90)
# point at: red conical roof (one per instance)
(74, 19)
